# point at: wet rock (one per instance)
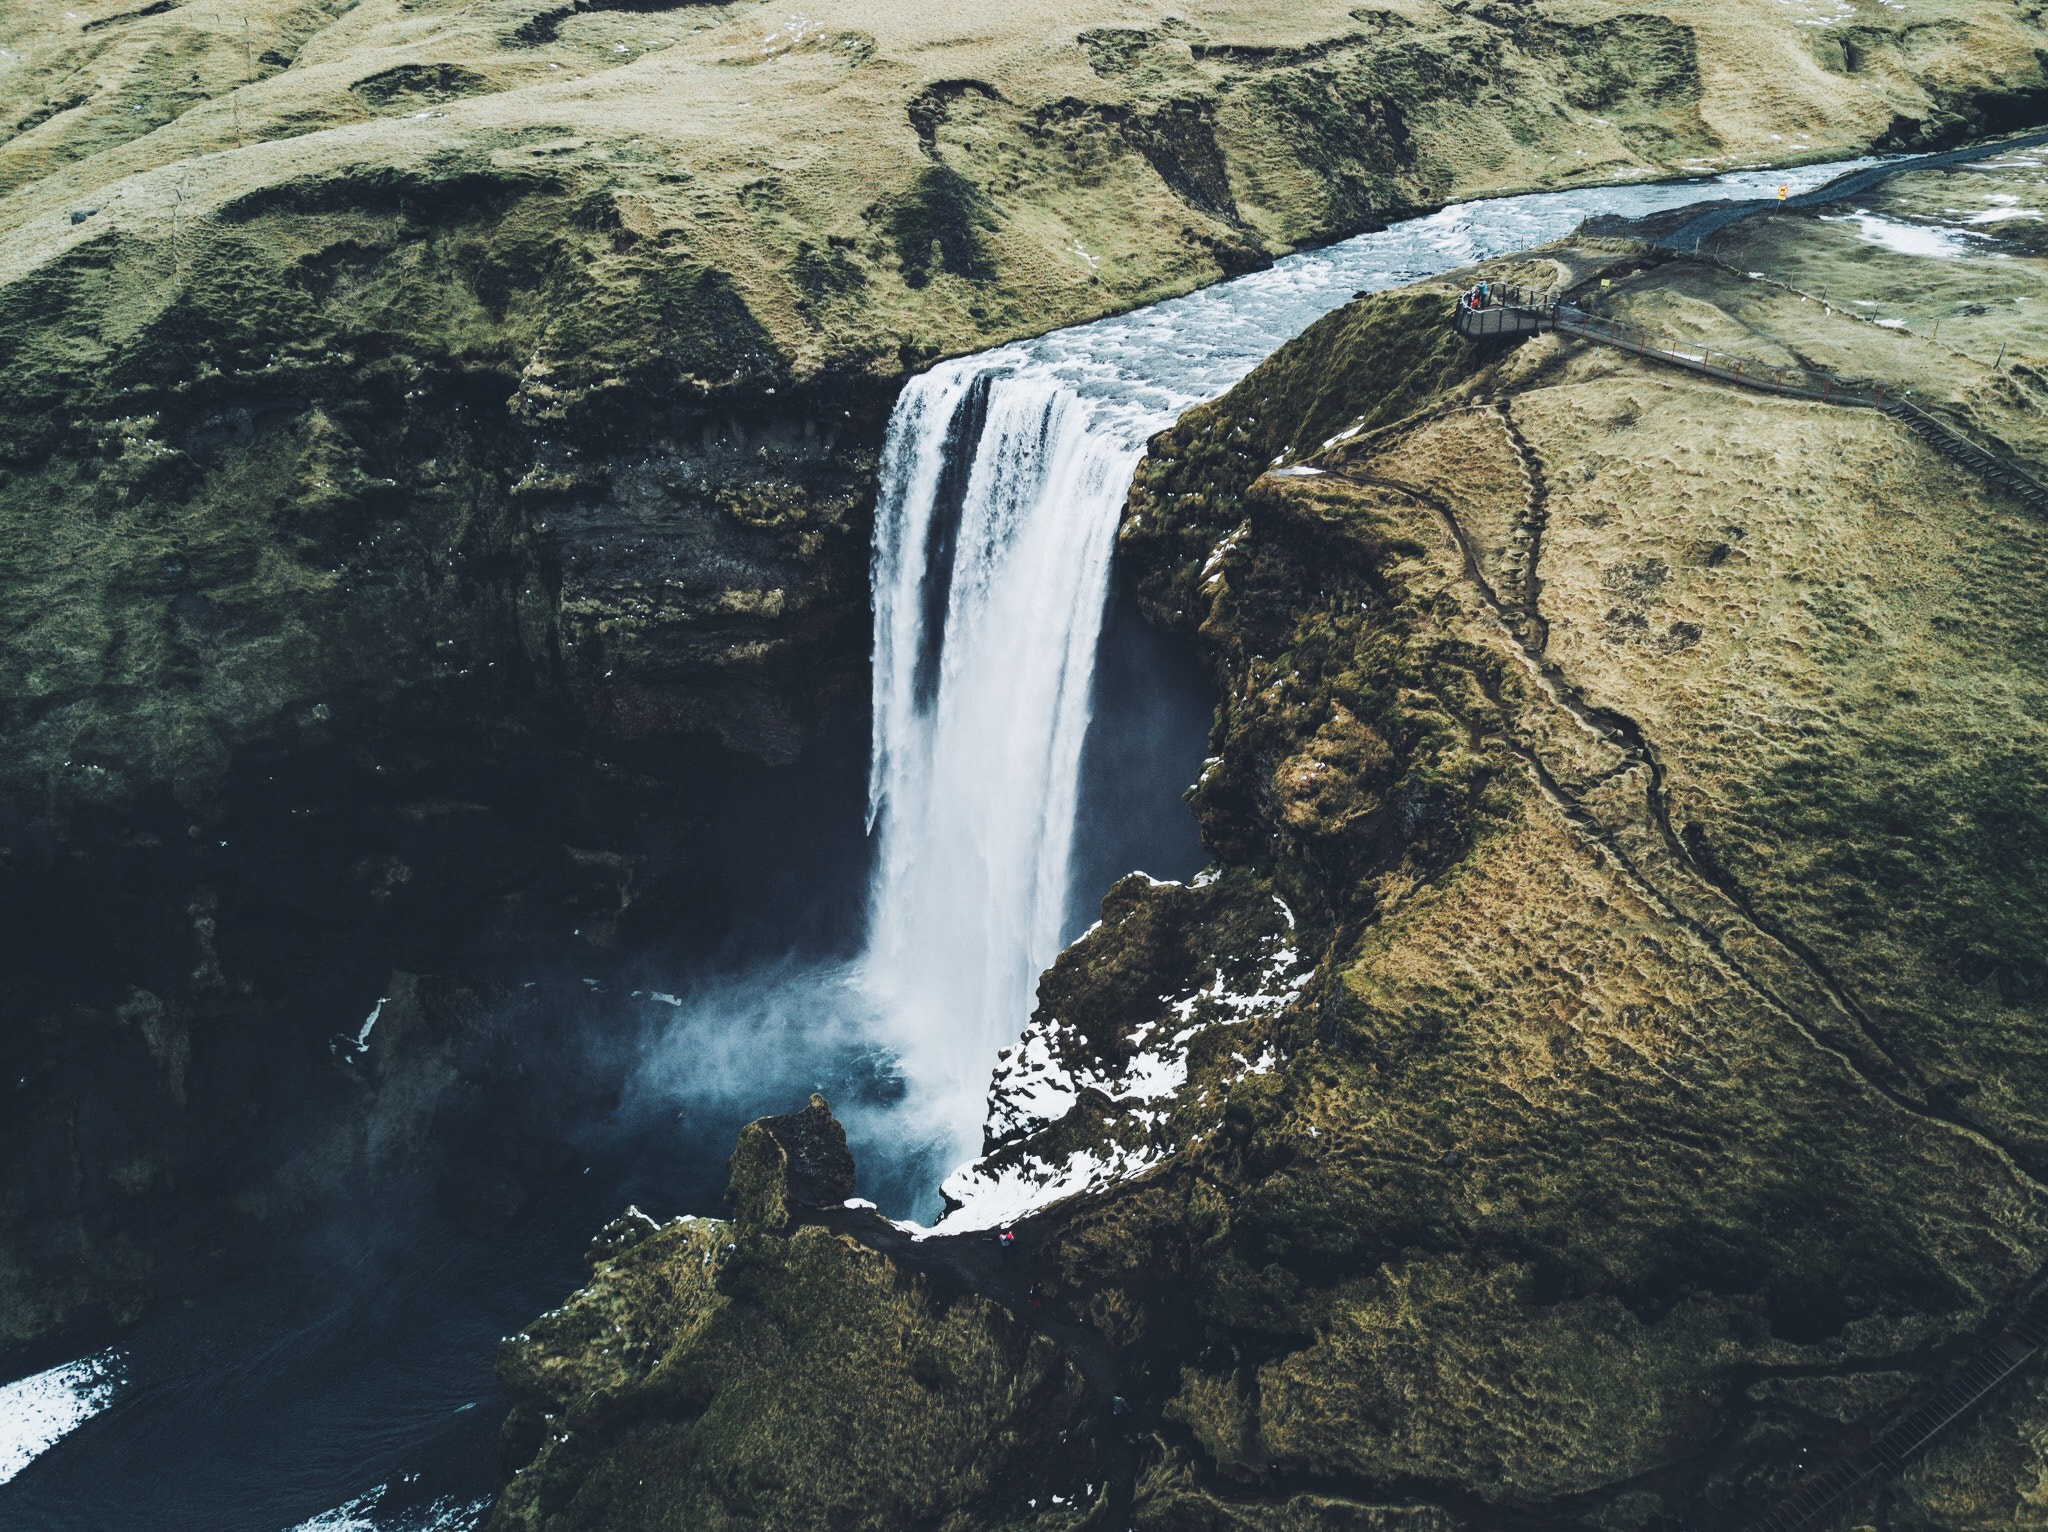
(1493, 1134)
(786, 1166)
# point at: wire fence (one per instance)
(2006, 359)
(1499, 310)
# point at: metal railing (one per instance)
(1814, 1503)
(1507, 312)
(1494, 309)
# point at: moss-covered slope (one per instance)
(436, 444)
(766, 1372)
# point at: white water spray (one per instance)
(992, 553)
(1002, 480)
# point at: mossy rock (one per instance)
(786, 1166)
(758, 1375)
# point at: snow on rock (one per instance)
(1030, 1087)
(1038, 1082)
(368, 1513)
(1222, 551)
(346, 1048)
(37, 1412)
(991, 1195)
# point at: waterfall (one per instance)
(994, 528)
(1002, 478)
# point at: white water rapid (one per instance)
(1002, 481)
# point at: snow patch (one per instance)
(362, 1515)
(349, 1049)
(369, 1021)
(1818, 13)
(1030, 1088)
(991, 1196)
(37, 1412)
(1033, 1088)
(1906, 238)
(1223, 551)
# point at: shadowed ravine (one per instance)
(1462, 1143)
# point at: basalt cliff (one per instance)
(1599, 1083)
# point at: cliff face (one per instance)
(436, 444)
(1600, 1079)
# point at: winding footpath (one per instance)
(1517, 319)
(1791, 980)
(1829, 1491)
(1688, 236)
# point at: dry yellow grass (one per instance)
(1119, 147)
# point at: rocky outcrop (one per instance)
(770, 1372)
(1597, 1082)
(786, 1166)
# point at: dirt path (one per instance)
(1778, 969)
(1707, 220)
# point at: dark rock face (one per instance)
(715, 584)
(429, 508)
(1467, 1149)
(771, 1373)
(787, 1166)
(472, 698)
